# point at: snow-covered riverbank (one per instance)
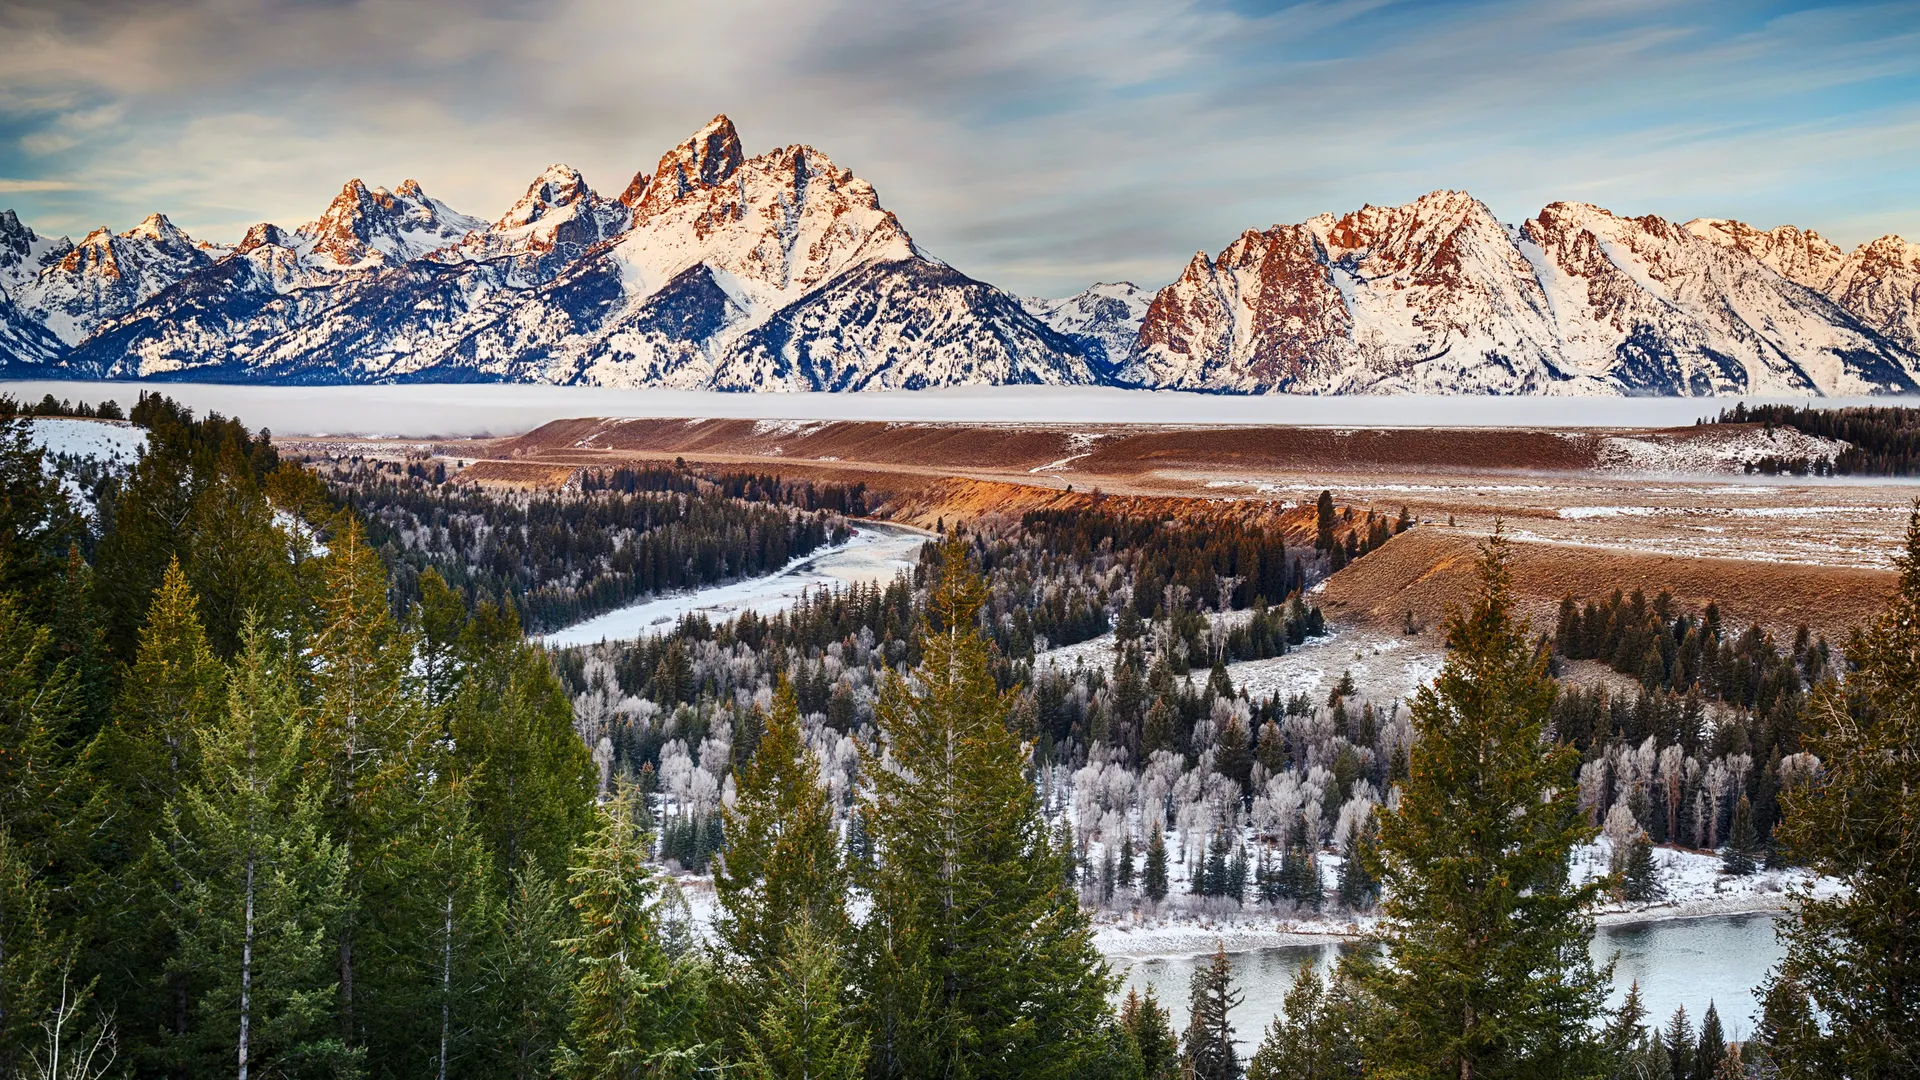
(875, 554)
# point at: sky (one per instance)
(1037, 144)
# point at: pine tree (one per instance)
(365, 732)
(979, 959)
(1207, 1048)
(1680, 1044)
(1737, 857)
(30, 958)
(1625, 1028)
(1358, 890)
(528, 979)
(1485, 970)
(1149, 1029)
(142, 763)
(1315, 1037)
(1857, 955)
(802, 1031)
(635, 1008)
(781, 883)
(1712, 1048)
(1640, 878)
(40, 705)
(1154, 879)
(261, 885)
(1125, 874)
(530, 778)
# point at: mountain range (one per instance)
(783, 272)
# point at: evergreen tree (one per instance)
(1625, 1028)
(782, 862)
(1484, 969)
(530, 778)
(261, 886)
(979, 959)
(142, 763)
(802, 1030)
(1856, 955)
(38, 524)
(365, 732)
(528, 981)
(635, 1008)
(1125, 874)
(1640, 877)
(1680, 1044)
(1712, 1048)
(1315, 1037)
(30, 958)
(1358, 890)
(781, 883)
(40, 704)
(1149, 1029)
(1208, 1050)
(1737, 857)
(1154, 879)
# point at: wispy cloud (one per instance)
(8, 185)
(1037, 144)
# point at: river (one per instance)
(874, 555)
(1720, 959)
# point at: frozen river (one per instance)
(1719, 958)
(874, 555)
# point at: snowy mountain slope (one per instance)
(367, 227)
(552, 225)
(1104, 319)
(1880, 283)
(906, 324)
(108, 274)
(1438, 297)
(783, 271)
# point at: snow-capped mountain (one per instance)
(780, 271)
(77, 287)
(1104, 320)
(783, 271)
(1439, 297)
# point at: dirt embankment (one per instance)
(958, 500)
(1099, 450)
(1425, 570)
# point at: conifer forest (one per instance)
(289, 788)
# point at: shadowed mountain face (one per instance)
(782, 271)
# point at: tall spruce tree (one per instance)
(801, 1031)
(635, 1006)
(979, 961)
(261, 887)
(1154, 879)
(140, 764)
(781, 884)
(1856, 955)
(1207, 1048)
(1483, 968)
(1317, 1034)
(782, 862)
(1149, 1031)
(1711, 1050)
(1679, 1042)
(528, 979)
(366, 729)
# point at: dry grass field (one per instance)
(1589, 511)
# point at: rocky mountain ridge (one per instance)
(782, 271)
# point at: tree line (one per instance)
(1884, 439)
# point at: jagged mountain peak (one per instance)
(14, 235)
(708, 157)
(558, 186)
(364, 227)
(157, 228)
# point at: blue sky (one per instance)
(1037, 145)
